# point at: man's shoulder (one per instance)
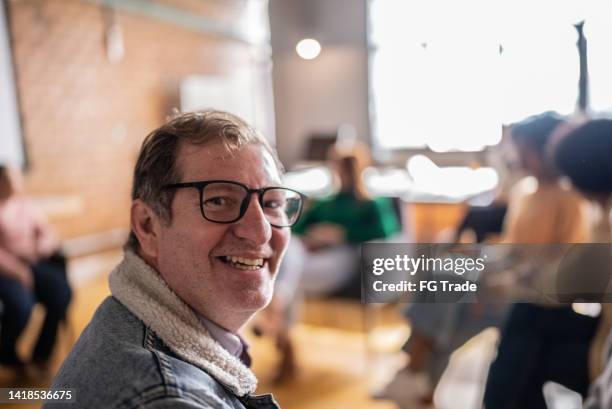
(119, 363)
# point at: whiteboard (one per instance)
(246, 93)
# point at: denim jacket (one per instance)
(145, 348)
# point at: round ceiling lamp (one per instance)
(308, 48)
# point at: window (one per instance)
(447, 74)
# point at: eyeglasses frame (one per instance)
(201, 185)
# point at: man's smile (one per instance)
(244, 263)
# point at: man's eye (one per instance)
(273, 204)
(218, 201)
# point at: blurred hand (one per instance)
(25, 278)
(46, 242)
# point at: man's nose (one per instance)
(254, 226)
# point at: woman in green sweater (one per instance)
(330, 231)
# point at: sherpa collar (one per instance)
(140, 288)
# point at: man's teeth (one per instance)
(245, 263)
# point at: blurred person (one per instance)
(482, 223)
(540, 343)
(32, 270)
(209, 226)
(439, 329)
(324, 253)
(583, 154)
(328, 236)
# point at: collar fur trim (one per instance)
(140, 288)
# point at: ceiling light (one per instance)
(308, 48)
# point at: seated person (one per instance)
(535, 344)
(439, 329)
(584, 156)
(31, 270)
(328, 235)
(210, 223)
(546, 212)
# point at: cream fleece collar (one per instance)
(140, 288)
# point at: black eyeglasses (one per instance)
(224, 201)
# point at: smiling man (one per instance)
(210, 223)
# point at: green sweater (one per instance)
(362, 220)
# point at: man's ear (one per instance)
(147, 227)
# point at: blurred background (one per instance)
(427, 88)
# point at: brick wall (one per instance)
(85, 118)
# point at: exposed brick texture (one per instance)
(85, 118)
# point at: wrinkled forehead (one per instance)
(249, 163)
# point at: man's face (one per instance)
(193, 252)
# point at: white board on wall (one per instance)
(11, 138)
(246, 93)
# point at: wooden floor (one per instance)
(345, 351)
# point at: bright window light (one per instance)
(457, 182)
(315, 181)
(387, 182)
(446, 74)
